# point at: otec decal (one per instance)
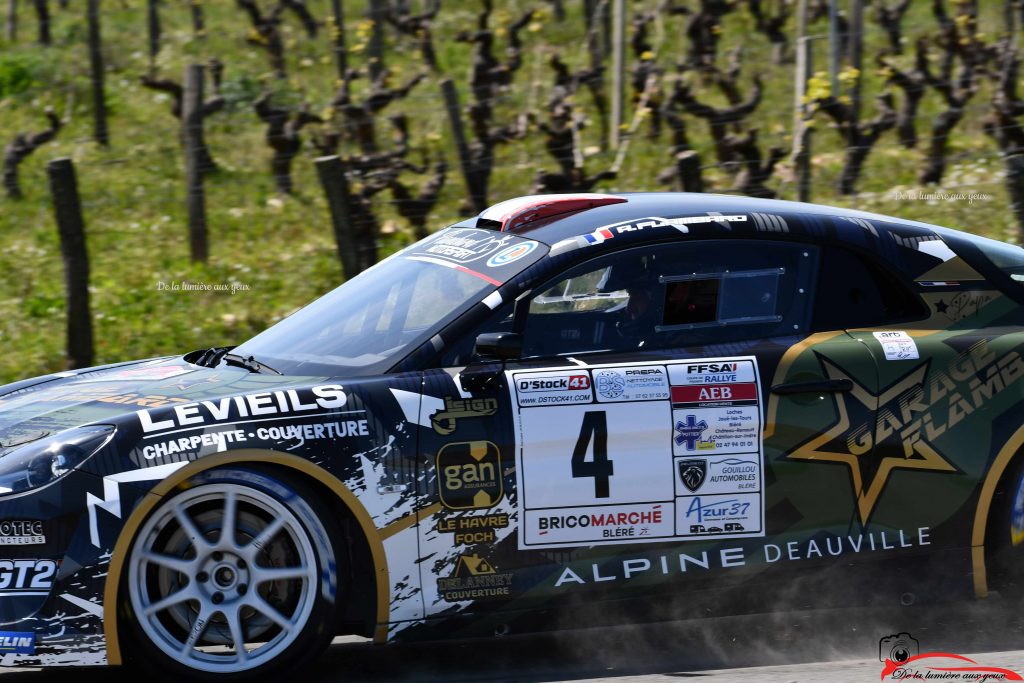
(26, 577)
(279, 402)
(21, 532)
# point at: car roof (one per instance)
(766, 216)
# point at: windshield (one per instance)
(371, 322)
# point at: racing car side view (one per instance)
(568, 410)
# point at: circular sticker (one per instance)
(510, 254)
(610, 384)
(1017, 514)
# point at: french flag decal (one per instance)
(598, 236)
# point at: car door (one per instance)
(638, 437)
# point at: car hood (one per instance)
(34, 409)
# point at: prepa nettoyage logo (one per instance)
(901, 654)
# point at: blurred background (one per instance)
(234, 159)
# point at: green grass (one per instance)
(282, 248)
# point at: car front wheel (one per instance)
(231, 578)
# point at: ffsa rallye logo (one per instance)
(711, 368)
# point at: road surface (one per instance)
(836, 645)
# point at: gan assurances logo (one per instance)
(901, 655)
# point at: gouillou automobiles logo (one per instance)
(860, 433)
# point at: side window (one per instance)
(854, 292)
(666, 296)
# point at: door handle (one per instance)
(813, 387)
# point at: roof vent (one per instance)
(514, 214)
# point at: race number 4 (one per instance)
(594, 429)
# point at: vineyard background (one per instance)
(280, 247)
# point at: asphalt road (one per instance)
(834, 645)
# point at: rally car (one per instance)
(569, 410)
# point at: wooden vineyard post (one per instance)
(332, 177)
(11, 21)
(451, 103)
(802, 131)
(195, 156)
(71, 226)
(618, 72)
(99, 102)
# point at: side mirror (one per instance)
(491, 350)
(498, 346)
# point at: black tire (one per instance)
(189, 596)
(1005, 534)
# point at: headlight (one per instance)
(40, 462)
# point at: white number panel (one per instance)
(633, 453)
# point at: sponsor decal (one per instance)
(585, 524)
(140, 374)
(469, 475)
(715, 431)
(964, 305)
(692, 473)
(708, 395)
(719, 475)
(689, 432)
(26, 577)
(21, 532)
(445, 420)
(627, 568)
(901, 654)
(511, 254)
(220, 440)
(466, 245)
(897, 345)
(471, 529)
(17, 643)
(711, 373)
(102, 395)
(718, 514)
(643, 383)
(610, 384)
(667, 451)
(914, 410)
(474, 578)
(607, 232)
(255, 405)
(554, 388)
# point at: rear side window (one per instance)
(673, 295)
(855, 292)
(727, 298)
